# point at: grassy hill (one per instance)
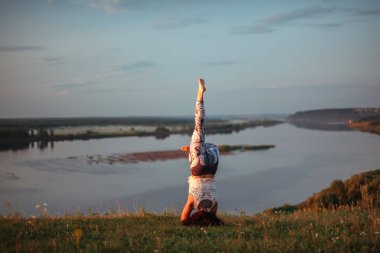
(361, 189)
(354, 227)
(346, 229)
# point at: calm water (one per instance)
(304, 161)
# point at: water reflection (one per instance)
(71, 165)
(323, 126)
(17, 145)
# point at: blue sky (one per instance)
(143, 57)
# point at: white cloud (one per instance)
(167, 23)
(109, 6)
(272, 23)
(66, 88)
(222, 62)
(136, 65)
(116, 6)
(19, 48)
(52, 59)
(268, 24)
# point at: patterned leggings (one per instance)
(203, 157)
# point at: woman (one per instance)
(204, 160)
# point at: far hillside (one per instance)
(331, 119)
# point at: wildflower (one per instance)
(204, 231)
(77, 236)
(32, 219)
(316, 235)
(37, 206)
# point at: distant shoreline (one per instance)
(159, 128)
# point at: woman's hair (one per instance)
(203, 218)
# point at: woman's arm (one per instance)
(189, 206)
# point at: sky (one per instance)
(83, 58)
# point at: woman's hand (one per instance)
(185, 148)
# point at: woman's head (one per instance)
(204, 204)
(204, 219)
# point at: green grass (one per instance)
(345, 229)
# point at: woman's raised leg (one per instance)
(197, 146)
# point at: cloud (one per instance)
(136, 65)
(304, 13)
(119, 6)
(272, 23)
(109, 6)
(94, 83)
(69, 86)
(255, 29)
(169, 23)
(221, 63)
(138, 88)
(66, 88)
(366, 12)
(328, 25)
(268, 24)
(52, 59)
(12, 48)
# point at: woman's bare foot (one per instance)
(201, 90)
(201, 87)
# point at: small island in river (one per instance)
(152, 156)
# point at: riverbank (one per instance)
(346, 229)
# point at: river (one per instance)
(303, 162)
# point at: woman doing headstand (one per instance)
(204, 160)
